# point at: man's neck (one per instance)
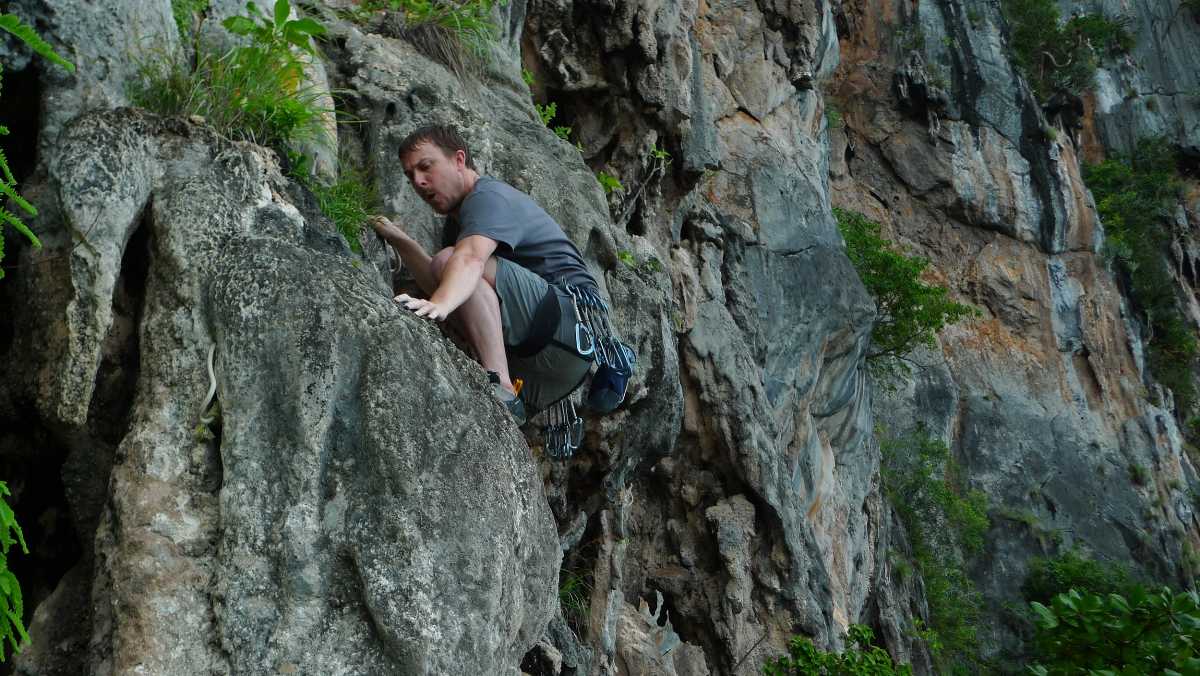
(472, 179)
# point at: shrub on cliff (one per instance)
(253, 92)
(910, 312)
(1056, 56)
(456, 33)
(347, 202)
(859, 659)
(1050, 576)
(1135, 195)
(945, 524)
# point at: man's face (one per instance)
(439, 179)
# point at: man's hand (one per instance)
(422, 307)
(387, 229)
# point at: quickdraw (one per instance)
(593, 338)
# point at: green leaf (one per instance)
(7, 190)
(13, 24)
(308, 26)
(1046, 616)
(282, 9)
(239, 25)
(8, 217)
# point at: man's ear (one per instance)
(460, 159)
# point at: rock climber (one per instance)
(498, 277)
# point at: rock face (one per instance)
(1045, 399)
(343, 519)
(356, 502)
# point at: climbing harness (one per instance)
(615, 361)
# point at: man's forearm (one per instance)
(459, 280)
(416, 260)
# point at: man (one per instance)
(497, 275)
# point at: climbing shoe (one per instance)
(511, 401)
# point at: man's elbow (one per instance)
(472, 261)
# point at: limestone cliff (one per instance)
(363, 506)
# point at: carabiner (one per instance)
(580, 332)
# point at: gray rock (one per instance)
(324, 530)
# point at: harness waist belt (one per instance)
(541, 330)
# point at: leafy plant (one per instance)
(1055, 56)
(1138, 474)
(348, 202)
(457, 33)
(610, 183)
(859, 659)
(945, 525)
(12, 607)
(277, 33)
(253, 92)
(1048, 577)
(833, 116)
(1134, 196)
(12, 604)
(563, 133)
(1147, 632)
(909, 311)
(185, 12)
(546, 112)
(527, 77)
(573, 594)
(660, 155)
(8, 183)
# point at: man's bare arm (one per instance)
(462, 273)
(412, 254)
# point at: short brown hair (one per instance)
(440, 135)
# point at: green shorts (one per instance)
(556, 370)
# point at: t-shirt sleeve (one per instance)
(489, 214)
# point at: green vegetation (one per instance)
(610, 183)
(527, 77)
(8, 183)
(910, 312)
(1138, 474)
(945, 525)
(12, 607)
(573, 598)
(660, 155)
(12, 604)
(1048, 577)
(860, 658)
(348, 202)
(833, 116)
(1134, 196)
(1056, 56)
(1143, 632)
(546, 112)
(185, 13)
(444, 29)
(1047, 537)
(253, 92)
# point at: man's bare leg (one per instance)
(479, 319)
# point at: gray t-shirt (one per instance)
(524, 233)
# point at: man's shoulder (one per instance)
(491, 186)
